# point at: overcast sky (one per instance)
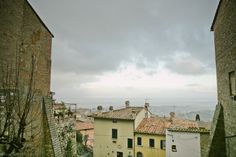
(106, 51)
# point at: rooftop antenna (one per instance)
(146, 100)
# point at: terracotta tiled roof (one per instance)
(128, 113)
(59, 107)
(84, 126)
(158, 125)
(189, 130)
(154, 125)
(183, 123)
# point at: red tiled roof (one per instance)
(195, 130)
(154, 125)
(84, 126)
(183, 123)
(128, 113)
(59, 107)
(158, 125)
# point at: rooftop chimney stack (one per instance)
(99, 108)
(172, 116)
(146, 105)
(127, 103)
(111, 108)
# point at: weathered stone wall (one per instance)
(23, 35)
(225, 52)
(36, 40)
(204, 140)
(11, 21)
(217, 141)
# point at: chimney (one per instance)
(197, 117)
(111, 108)
(127, 103)
(146, 110)
(146, 105)
(172, 116)
(99, 108)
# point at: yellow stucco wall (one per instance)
(104, 145)
(148, 151)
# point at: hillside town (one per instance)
(34, 123)
(133, 130)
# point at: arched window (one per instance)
(139, 154)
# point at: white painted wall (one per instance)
(187, 144)
(140, 117)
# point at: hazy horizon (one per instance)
(120, 102)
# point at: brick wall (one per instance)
(225, 53)
(23, 34)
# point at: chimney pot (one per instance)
(146, 105)
(111, 108)
(127, 103)
(172, 116)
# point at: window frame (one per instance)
(139, 154)
(139, 141)
(174, 148)
(232, 83)
(163, 144)
(119, 154)
(114, 134)
(152, 143)
(130, 143)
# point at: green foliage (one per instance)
(81, 149)
(79, 137)
(68, 149)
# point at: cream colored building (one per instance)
(114, 131)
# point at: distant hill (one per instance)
(188, 112)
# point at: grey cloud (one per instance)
(92, 37)
(184, 64)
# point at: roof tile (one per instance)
(128, 113)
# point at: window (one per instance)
(114, 121)
(151, 142)
(163, 144)
(174, 149)
(119, 154)
(114, 133)
(232, 83)
(130, 143)
(139, 141)
(139, 154)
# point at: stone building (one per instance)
(25, 42)
(223, 131)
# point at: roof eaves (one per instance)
(81, 129)
(216, 14)
(41, 21)
(149, 133)
(115, 118)
(184, 130)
